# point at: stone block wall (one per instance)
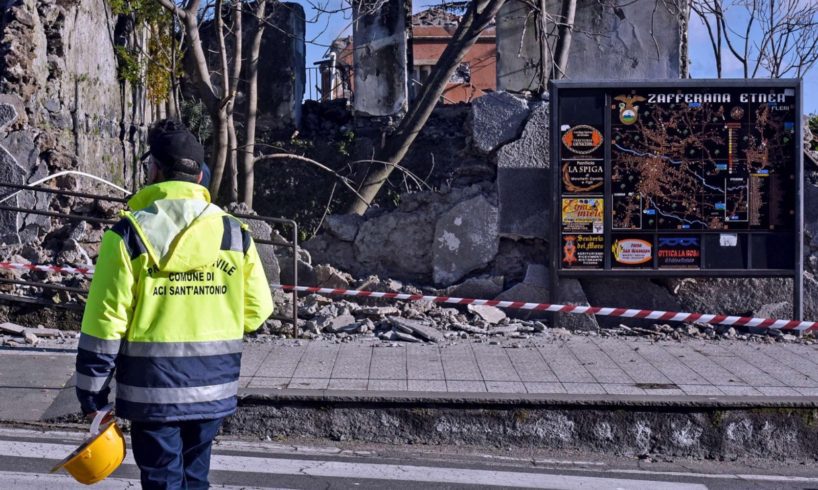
(62, 105)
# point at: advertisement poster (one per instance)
(583, 215)
(679, 252)
(582, 139)
(580, 176)
(632, 251)
(583, 251)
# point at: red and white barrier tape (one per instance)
(86, 271)
(670, 316)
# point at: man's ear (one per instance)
(156, 174)
(199, 178)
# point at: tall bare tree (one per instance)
(768, 38)
(232, 162)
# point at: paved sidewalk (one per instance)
(38, 384)
(578, 365)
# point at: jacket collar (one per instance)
(171, 189)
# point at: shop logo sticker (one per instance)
(570, 250)
(632, 251)
(582, 139)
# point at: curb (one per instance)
(258, 396)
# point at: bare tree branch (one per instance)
(289, 156)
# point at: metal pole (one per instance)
(295, 279)
(798, 277)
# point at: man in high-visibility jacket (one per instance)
(178, 282)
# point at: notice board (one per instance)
(677, 178)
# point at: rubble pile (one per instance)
(74, 243)
(13, 335)
(345, 320)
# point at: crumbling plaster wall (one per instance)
(616, 40)
(379, 37)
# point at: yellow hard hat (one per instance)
(100, 454)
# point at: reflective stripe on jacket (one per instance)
(178, 281)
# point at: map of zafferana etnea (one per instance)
(703, 160)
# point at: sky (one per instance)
(323, 28)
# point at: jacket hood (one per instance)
(172, 189)
(178, 224)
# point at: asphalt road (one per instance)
(27, 455)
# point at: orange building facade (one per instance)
(476, 74)
(431, 32)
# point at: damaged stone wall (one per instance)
(464, 239)
(489, 238)
(62, 105)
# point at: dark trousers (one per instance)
(174, 455)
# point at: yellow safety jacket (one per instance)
(177, 283)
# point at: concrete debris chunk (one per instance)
(12, 328)
(490, 314)
(416, 328)
(329, 277)
(343, 226)
(496, 119)
(539, 327)
(465, 240)
(31, 338)
(45, 332)
(396, 335)
(476, 287)
(504, 330)
(379, 311)
(341, 323)
(468, 328)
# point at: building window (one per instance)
(420, 73)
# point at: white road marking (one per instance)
(720, 476)
(37, 481)
(262, 465)
(266, 447)
(336, 469)
(273, 448)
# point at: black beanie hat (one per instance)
(171, 143)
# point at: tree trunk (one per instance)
(233, 156)
(221, 142)
(542, 33)
(477, 18)
(223, 139)
(247, 180)
(566, 30)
